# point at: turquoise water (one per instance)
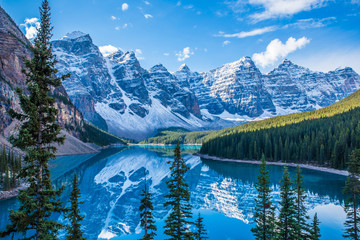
(111, 183)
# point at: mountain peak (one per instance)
(287, 62)
(184, 68)
(75, 35)
(158, 68)
(116, 55)
(246, 60)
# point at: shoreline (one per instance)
(4, 195)
(301, 165)
(163, 144)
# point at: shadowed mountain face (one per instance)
(14, 48)
(112, 181)
(115, 92)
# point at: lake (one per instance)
(223, 192)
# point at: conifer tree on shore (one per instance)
(73, 231)
(38, 133)
(315, 230)
(264, 210)
(178, 198)
(301, 212)
(146, 216)
(352, 190)
(200, 233)
(287, 224)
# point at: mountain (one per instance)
(116, 94)
(14, 47)
(171, 136)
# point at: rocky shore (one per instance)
(307, 166)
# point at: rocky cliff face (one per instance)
(117, 93)
(14, 48)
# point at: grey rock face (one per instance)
(14, 47)
(170, 92)
(89, 79)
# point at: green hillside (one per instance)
(171, 136)
(99, 137)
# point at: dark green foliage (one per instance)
(178, 200)
(147, 219)
(301, 212)
(10, 166)
(287, 223)
(73, 231)
(315, 230)
(264, 210)
(98, 136)
(174, 135)
(325, 141)
(200, 232)
(352, 190)
(36, 136)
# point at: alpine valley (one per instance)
(116, 94)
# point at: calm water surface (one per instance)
(111, 183)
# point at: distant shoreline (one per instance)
(306, 166)
(163, 144)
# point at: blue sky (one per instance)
(319, 34)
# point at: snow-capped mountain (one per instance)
(118, 95)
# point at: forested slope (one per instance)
(171, 136)
(326, 141)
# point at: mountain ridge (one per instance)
(115, 93)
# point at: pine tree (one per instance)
(301, 213)
(147, 218)
(286, 224)
(264, 210)
(200, 233)
(352, 189)
(73, 213)
(38, 133)
(178, 199)
(315, 230)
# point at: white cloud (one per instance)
(276, 50)
(124, 26)
(311, 23)
(31, 25)
(251, 33)
(107, 50)
(184, 54)
(147, 16)
(166, 54)
(138, 54)
(283, 8)
(147, 2)
(113, 18)
(274, 8)
(189, 7)
(225, 43)
(124, 6)
(178, 4)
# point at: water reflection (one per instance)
(111, 183)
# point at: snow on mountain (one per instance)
(115, 93)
